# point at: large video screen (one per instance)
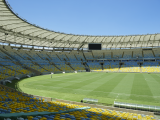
(92, 46)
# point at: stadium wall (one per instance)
(20, 62)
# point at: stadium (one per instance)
(48, 75)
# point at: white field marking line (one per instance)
(97, 76)
(129, 94)
(84, 85)
(116, 97)
(73, 81)
(116, 93)
(57, 80)
(109, 92)
(112, 93)
(37, 80)
(84, 79)
(54, 87)
(60, 80)
(71, 88)
(150, 80)
(47, 86)
(62, 75)
(53, 77)
(79, 81)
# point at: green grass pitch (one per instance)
(106, 87)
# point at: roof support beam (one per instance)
(80, 46)
(6, 15)
(12, 24)
(83, 43)
(63, 38)
(9, 20)
(27, 30)
(18, 27)
(75, 41)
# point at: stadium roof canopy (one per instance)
(16, 30)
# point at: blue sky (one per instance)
(92, 17)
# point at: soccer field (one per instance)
(106, 87)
